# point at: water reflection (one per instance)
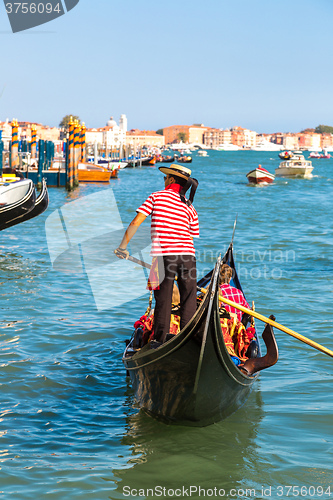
(222, 455)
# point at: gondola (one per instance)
(184, 159)
(138, 162)
(191, 379)
(17, 199)
(167, 159)
(42, 202)
(28, 207)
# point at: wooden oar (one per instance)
(133, 259)
(274, 323)
(256, 315)
(140, 262)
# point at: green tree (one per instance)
(324, 129)
(159, 131)
(181, 137)
(307, 131)
(65, 121)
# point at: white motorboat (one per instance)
(117, 164)
(296, 166)
(202, 152)
(260, 176)
(266, 146)
(227, 147)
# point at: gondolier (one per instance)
(174, 224)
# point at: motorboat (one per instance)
(202, 152)
(111, 164)
(296, 166)
(266, 146)
(260, 176)
(285, 155)
(107, 162)
(228, 147)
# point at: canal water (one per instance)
(69, 427)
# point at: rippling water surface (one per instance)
(69, 427)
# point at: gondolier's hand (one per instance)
(122, 253)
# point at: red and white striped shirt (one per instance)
(232, 293)
(173, 222)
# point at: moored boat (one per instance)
(88, 172)
(296, 166)
(260, 176)
(41, 204)
(138, 162)
(114, 173)
(17, 199)
(110, 164)
(191, 379)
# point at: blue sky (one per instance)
(263, 65)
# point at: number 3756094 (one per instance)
(32, 8)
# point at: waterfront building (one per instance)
(196, 134)
(290, 141)
(326, 141)
(24, 132)
(250, 138)
(6, 128)
(44, 132)
(94, 135)
(214, 137)
(111, 136)
(193, 134)
(140, 138)
(309, 141)
(123, 123)
(277, 138)
(173, 133)
(243, 137)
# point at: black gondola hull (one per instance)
(167, 160)
(138, 162)
(182, 383)
(42, 202)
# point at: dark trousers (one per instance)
(184, 266)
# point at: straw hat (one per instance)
(177, 170)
